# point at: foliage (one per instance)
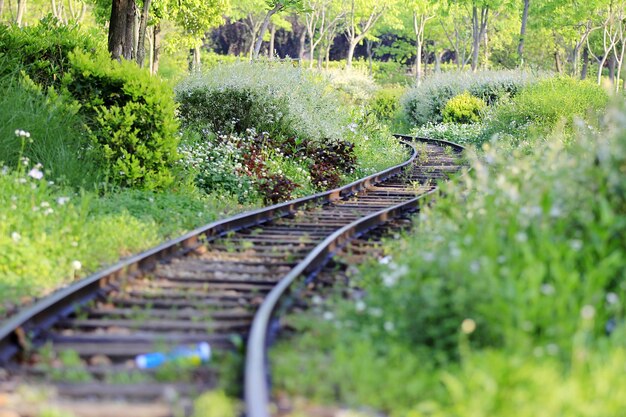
(284, 101)
(51, 235)
(463, 109)
(540, 107)
(55, 139)
(356, 86)
(425, 102)
(42, 50)
(131, 119)
(512, 279)
(470, 133)
(385, 103)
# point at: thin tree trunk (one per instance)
(21, 9)
(302, 41)
(475, 38)
(438, 57)
(194, 59)
(418, 49)
(522, 33)
(612, 69)
(257, 47)
(272, 40)
(351, 47)
(368, 48)
(143, 24)
(585, 68)
(156, 45)
(1, 8)
(328, 55)
(557, 62)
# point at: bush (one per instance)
(538, 108)
(42, 50)
(355, 85)
(131, 119)
(463, 109)
(277, 98)
(425, 102)
(386, 103)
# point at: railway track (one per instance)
(222, 285)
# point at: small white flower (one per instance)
(62, 200)
(552, 349)
(385, 260)
(35, 173)
(576, 244)
(328, 316)
(316, 300)
(76, 265)
(16, 237)
(428, 256)
(521, 237)
(468, 326)
(376, 312)
(547, 289)
(389, 326)
(360, 306)
(588, 312)
(612, 298)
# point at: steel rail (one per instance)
(26, 327)
(257, 377)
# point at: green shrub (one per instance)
(463, 109)
(42, 50)
(386, 103)
(424, 102)
(355, 85)
(277, 98)
(538, 108)
(131, 119)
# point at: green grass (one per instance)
(56, 138)
(50, 236)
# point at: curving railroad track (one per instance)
(222, 284)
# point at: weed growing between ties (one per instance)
(511, 289)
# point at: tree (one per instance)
(274, 6)
(361, 16)
(121, 29)
(522, 32)
(320, 17)
(422, 11)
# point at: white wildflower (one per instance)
(35, 173)
(76, 265)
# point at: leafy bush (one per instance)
(386, 103)
(538, 108)
(463, 109)
(43, 50)
(424, 103)
(284, 101)
(355, 85)
(131, 119)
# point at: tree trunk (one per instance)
(612, 69)
(117, 28)
(1, 8)
(557, 62)
(194, 59)
(368, 48)
(143, 24)
(272, 40)
(475, 39)
(328, 55)
(302, 41)
(257, 47)
(486, 38)
(21, 9)
(438, 57)
(522, 32)
(585, 68)
(351, 48)
(418, 49)
(156, 45)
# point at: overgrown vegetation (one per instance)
(512, 279)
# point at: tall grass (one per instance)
(56, 133)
